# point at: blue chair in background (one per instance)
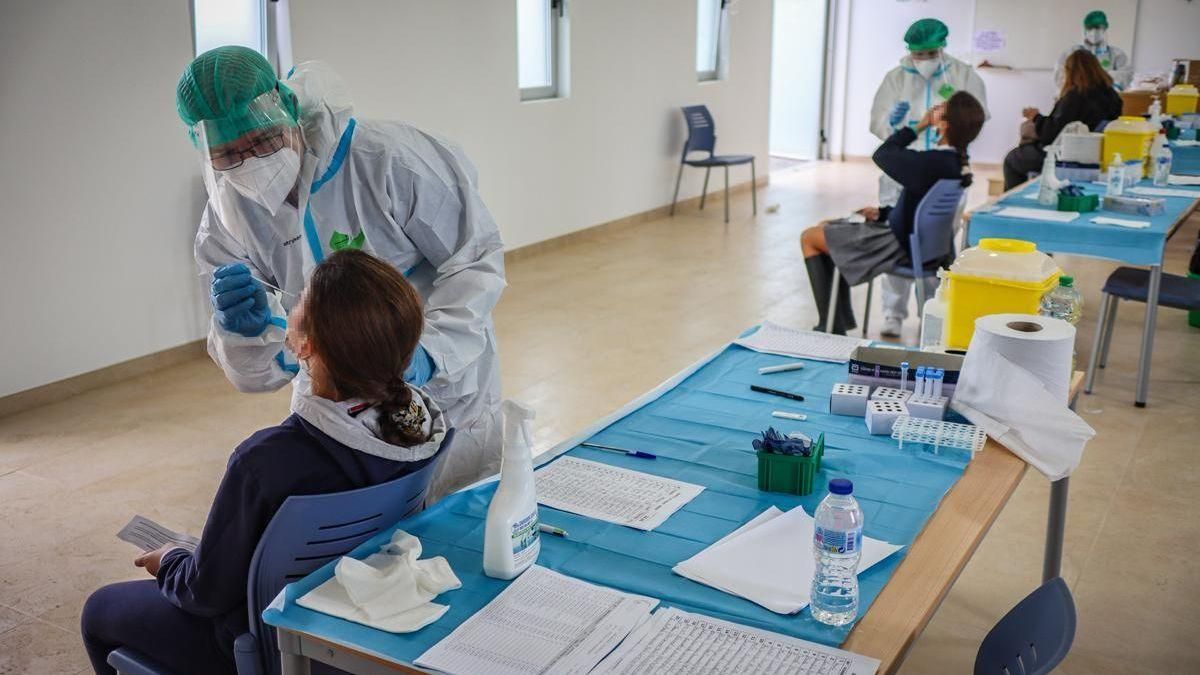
(1033, 637)
(932, 239)
(702, 137)
(306, 533)
(1133, 283)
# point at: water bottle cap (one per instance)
(841, 486)
(1066, 280)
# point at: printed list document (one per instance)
(544, 622)
(610, 493)
(674, 642)
(149, 535)
(771, 338)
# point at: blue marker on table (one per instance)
(623, 451)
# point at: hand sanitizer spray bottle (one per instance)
(511, 541)
(1049, 182)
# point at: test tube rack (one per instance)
(939, 434)
(890, 394)
(849, 399)
(882, 415)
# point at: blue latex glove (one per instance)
(420, 370)
(239, 301)
(899, 112)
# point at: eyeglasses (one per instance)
(263, 146)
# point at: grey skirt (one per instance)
(862, 251)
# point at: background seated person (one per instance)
(864, 250)
(1087, 96)
(354, 423)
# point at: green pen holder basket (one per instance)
(1080, 203)
(792, 474)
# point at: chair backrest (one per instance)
(1033, 637)
(309, 531)
(702, 132)
(933, 223)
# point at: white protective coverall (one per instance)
(1114, 60)
(407, 197)
(904, 83)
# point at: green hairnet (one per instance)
(1095, 19)
(219, 86)
(926, 34)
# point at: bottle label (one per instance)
(526, 540)
(837, 541)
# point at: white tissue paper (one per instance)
(1015, 384)
(390, 590)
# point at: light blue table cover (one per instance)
(1081, 236)
(701, 430)
(1185, 159)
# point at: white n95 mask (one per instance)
(1094, 36)
(927, 67)
(267, 181)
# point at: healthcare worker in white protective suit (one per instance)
(292, 175)
(926, 77)
(1114, 60)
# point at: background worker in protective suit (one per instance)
(291, 176)
(1114, 60)
(926, 77)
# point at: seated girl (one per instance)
(863, 250)
(1087, 96)
(354, 423)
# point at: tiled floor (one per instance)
(583, 329)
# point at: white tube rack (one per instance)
(939, 434)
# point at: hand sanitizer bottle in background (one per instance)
(1116, 177)
(1048, 182)
(837, 548)
(511, 540)
(933, 318)
(1160, 159)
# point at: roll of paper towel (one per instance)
(1015, 383)
(1040, 344)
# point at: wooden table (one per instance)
(901, 610)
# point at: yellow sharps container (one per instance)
(1131, 138)
(999, 276)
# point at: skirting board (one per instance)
(56, 391)
(118, 372)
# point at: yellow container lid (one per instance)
(1183, 90)
(1009, 260)
(1129, 124)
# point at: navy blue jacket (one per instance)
(916, 171)
(294, 458)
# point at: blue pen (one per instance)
(623, 451)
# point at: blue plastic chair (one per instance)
(1133, 283)
(932, 239)
(306, 533)
(1033, 637)
(702, 137)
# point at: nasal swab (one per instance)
(270, 285)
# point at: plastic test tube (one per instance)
(937, 382)
(903, 375)
(919, 382)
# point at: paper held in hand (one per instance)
(149, 535)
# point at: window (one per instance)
(711, 16)
(229, 22)
(541, 48)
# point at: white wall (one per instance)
(1165, 29)
(547, 168)
(97, 189)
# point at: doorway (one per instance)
(797, 82)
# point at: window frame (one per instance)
(264, 30)
(714, 74)
(555, 89)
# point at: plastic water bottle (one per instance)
(1161, 160)
(933, 319)
(837, 547)
(1116, 177)
(1064, 302)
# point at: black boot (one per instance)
(820, 275)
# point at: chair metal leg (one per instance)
(831, 313)
(678, 177)
(867, 307)
(727, 193)
(919, 287)
(1097, 342)
(1109, 322)
(704, 190)
(1143, 383)
(753, 189)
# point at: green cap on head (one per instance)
(926, 34)
(1095, 19)
(219, 86)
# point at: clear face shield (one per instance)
(250, 163)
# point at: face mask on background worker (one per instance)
(926, 39)
(1095, 27)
